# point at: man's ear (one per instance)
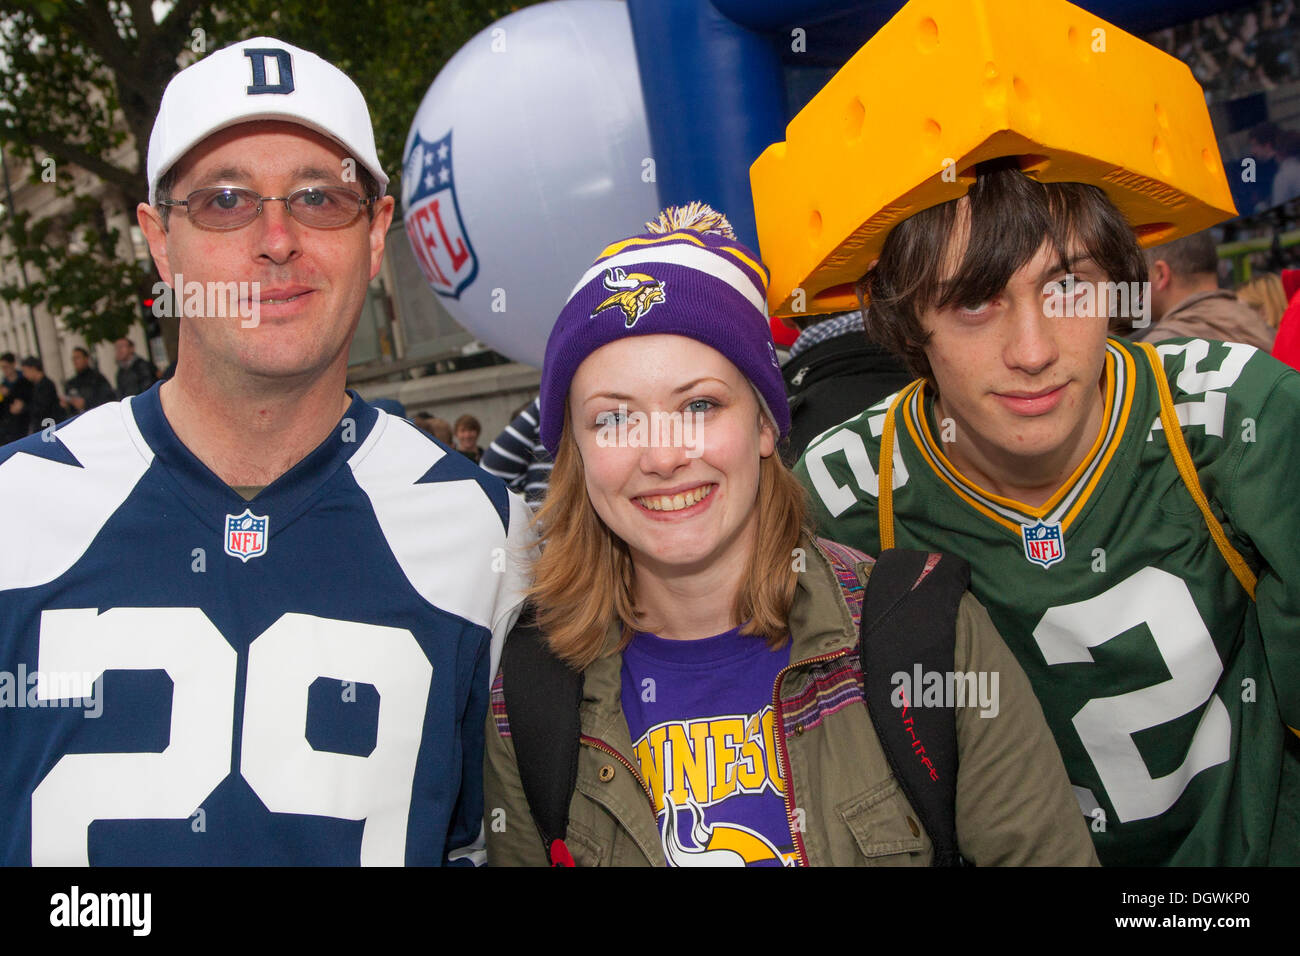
(379, 224)
(1161, 275)
(151, 225)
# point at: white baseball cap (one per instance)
(260, 79)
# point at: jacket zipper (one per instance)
(782, 757)
(797, 379)
(606, 748)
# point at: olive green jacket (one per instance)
(1014, 802)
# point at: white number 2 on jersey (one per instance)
(1106, 725)
(277, 761)
(839, 498)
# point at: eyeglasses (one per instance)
(229, 207)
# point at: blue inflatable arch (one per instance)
(721, 78)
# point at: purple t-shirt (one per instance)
(700, 713)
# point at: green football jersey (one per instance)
(1168, 688)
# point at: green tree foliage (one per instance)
(80, 83)
(73, 266)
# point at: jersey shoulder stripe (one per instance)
(63, 491)
(445, 520)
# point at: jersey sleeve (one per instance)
(515, 573)
(467, 841)
(465, 838)
(1240, 416)
(514, 450)
(839, 473)
(1263, 506)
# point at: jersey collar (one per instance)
(287, 497)
(1068, 501)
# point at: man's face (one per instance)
(80, 362)
(311, 282)
(466, 438)
(1021, 384)
(7, 369)
(31, 374)
(122, 349)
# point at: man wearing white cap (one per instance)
(258, 620)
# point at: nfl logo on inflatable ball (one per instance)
(527, 153)
(433, 218)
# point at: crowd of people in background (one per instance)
(462, 436)
(1237, 52)
(30, 400)
(516, 456)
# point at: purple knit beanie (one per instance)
(686, 276)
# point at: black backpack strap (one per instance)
(909, 621)
(542, 696)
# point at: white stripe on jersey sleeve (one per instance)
(445, 535)
(55, 509)
(521, 551)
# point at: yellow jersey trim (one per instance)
(1120, 383)
(1183, 459)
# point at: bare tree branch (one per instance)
(96, 28)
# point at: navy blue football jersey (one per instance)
(187, 677)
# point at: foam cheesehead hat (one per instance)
(687, 275)
(260, 79)
(948, 84)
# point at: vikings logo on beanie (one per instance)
(686, 275)
(634, 293)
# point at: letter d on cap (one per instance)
(285, 71)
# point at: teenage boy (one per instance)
(1129, 513)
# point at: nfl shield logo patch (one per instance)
(246, 535)
(1044, 543)
(433, 221)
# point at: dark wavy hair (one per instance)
(1010, 217)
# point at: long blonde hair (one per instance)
(583, 580)
(1265, 294)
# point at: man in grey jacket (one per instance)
(1186, 300)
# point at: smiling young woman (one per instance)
(722, 718)
(586, 567)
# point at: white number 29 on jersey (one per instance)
(1106, 725)
(276, 759)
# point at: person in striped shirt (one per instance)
(518, 457)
